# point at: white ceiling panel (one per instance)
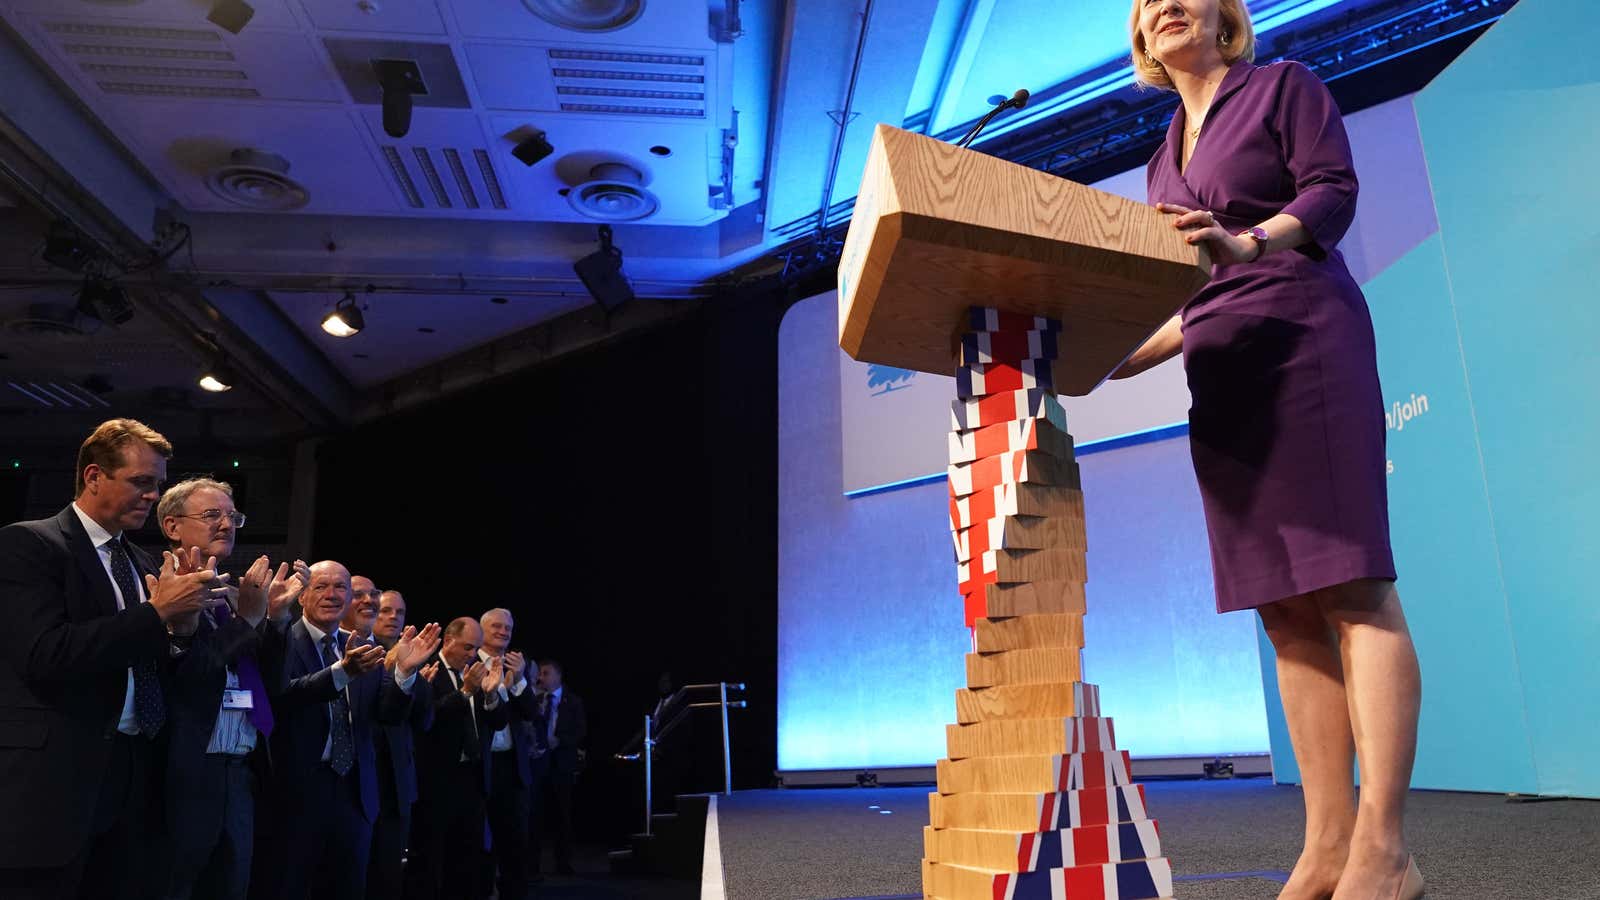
(661, 23)
(382, 16)
(393, 343)
(111, 61)
(444, 164)
(183, 141)
(269, 13)
(680, 178)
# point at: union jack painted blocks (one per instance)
(1036, 801)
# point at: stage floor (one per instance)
(1228, 840)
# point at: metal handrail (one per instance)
(647, 738)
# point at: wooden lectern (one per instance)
(1022, 285)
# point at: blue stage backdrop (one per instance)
(869, 623)
(1482, 288)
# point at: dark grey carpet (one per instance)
(823, 844)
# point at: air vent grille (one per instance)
(92, 29)
(200, 91)
(465, 186)
(125, 71)
(629, 84)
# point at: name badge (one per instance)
(238, 700)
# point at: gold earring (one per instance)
(1223, 38)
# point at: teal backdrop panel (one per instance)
(1511, 132)
(1490, 373)
(1444, 546)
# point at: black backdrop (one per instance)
(621, 502)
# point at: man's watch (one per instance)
(1260, 236)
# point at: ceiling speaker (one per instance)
(587, 15)
(257, 180)
(614, 193)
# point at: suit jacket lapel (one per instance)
(305, 647)
(88, 560)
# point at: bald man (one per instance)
(338, 693)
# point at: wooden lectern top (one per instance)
(938, 229)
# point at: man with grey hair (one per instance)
(220, 713)
(511, 749)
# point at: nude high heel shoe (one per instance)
(1412, 887)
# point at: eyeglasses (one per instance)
(213, 517)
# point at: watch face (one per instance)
(1259, 233)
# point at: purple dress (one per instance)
(1286, 427)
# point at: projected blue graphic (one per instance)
(870, 631)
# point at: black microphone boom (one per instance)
(1015, 101)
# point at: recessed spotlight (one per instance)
(216, 379)
(346, 319)
(360, 355)
(425, 330)
(660, 150)
(499, 300)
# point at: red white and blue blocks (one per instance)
(1036, 801)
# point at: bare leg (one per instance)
(1311, 680)
(1384, 684)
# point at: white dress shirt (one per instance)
(502, 738)
(101, 538)
(341, 678)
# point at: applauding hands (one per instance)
(184, 587)
(412, 650)
(361, 657)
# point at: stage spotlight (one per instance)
(216, 379)
(601, 273)
(346, 319)
(399, 79)
(106, 301)
(532, 148)
(231, 15)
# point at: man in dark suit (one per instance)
(220, 714)
(453, 770)
(88, 632)
(397, 768)
(566, 727)
(510, 755)
(325, 765)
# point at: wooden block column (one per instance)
(1035, 801)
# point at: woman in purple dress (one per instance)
(1286, 427)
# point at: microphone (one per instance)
(1015, 101)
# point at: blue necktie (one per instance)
(341, 743)
(149, 707)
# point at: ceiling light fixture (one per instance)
(231, 15)
(216, 380)
(346, 319)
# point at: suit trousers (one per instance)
(110, 865)
(447, 857)
(550, 809)
(390, 836)
(217, 865)
(508, 825)
(328, 838)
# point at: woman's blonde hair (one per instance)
(1233, 24)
